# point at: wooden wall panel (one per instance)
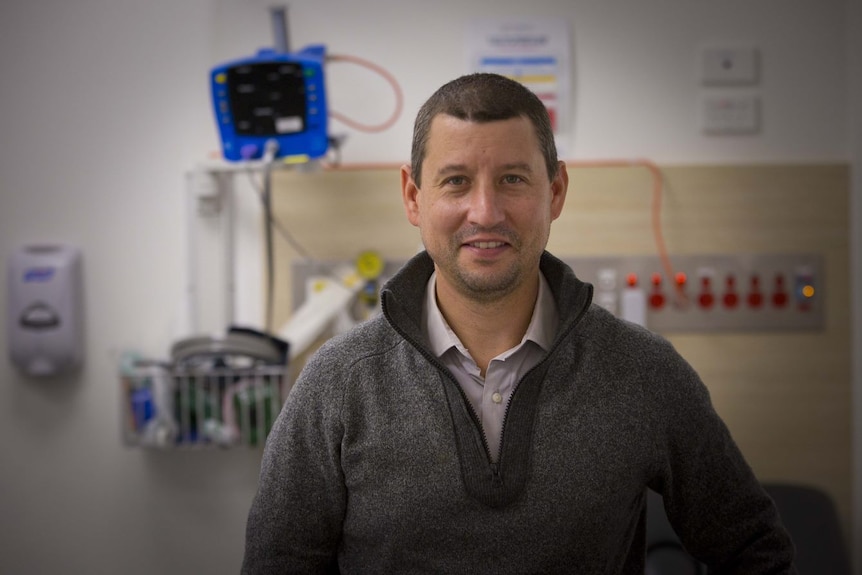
(786, 397)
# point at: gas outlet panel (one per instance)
(738, 292)
(704, 292)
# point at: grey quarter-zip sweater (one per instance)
(376, 463)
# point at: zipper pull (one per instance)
(496, 477)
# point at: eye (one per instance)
(512, 179)
(456, 181)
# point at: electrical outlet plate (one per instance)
(730, 65)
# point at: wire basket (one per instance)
(165, 406)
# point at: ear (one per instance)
(559, 187)
(410, 195)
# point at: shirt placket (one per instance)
(495, 396)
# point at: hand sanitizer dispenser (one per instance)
(44, 316)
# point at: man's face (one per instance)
(486, 206)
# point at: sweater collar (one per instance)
(403, 296)
(541, 330)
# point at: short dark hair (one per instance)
(483, 97)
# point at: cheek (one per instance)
(441, 216)
(527, 213)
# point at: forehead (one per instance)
(449, 136)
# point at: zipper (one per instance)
(554, 347)
(436, 363)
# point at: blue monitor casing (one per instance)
(272, 96)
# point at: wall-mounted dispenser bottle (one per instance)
(44, 312)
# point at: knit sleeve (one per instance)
(712, 497)
(295, 520)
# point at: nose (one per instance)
(485, 209)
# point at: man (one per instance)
(491, 419)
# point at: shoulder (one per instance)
(340, 353)
(634, 354)
(623, 338)
(355, 356)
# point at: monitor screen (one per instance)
(267, 98)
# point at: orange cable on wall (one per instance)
(657, 191)
(399, 97)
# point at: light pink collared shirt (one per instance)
(490, 395)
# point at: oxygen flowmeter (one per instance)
(275, 97)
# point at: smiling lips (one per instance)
(486, 245)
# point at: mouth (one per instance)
(486, 245)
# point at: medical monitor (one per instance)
(272, 96)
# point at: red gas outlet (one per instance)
(706, 299)
(731, 298)
(755, 296)
(780, 295)
(656, 298)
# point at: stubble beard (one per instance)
(485, 286)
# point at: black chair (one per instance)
(665, 553)
(810, 516)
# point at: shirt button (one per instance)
(496, 397)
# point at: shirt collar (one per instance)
(541, 330)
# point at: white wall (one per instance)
(637, 81)
(105, 107)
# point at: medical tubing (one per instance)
(399, 96)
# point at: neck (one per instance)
(487, 329)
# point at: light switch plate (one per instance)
(730, 114)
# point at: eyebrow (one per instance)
(451, 168)
(523, 166)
